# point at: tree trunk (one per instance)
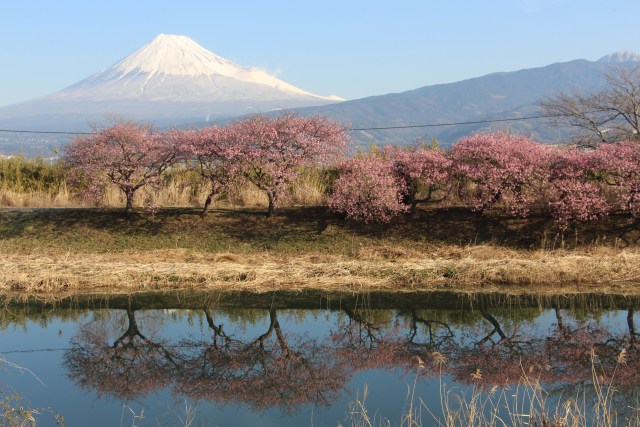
(131, 332)
(207, 202)
(273, 319)
(631, 326)
(129, 208)
(561, 327)
(272, 206)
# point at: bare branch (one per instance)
(611, 115)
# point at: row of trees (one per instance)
(485, 171)
(279, 367)
(267, 152)
(493, 171)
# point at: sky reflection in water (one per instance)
(275, 363)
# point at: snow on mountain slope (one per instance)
(164, 68)
(621, 56)
(171, 77)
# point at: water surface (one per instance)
(303, 359)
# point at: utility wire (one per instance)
(428, 125)
(58, 349)
(34, 350)
(45, 132)
(473, 122)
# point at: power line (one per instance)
(34, 350)
(428, 125)
(45, 132)
(473, 122)
(58, 349)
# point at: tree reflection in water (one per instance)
(279, 367)
(265, 371)
(128, 367)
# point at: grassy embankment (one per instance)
(76, 248)
(54, 250)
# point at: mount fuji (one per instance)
(170, 80)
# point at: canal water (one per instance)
(315, 359)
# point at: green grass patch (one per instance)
(293, 231)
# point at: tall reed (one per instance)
(525, 403)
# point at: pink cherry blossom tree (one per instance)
(618, 166)
(501, 169)
(422, 170)
(575, 192)
(273, 149)
(379, 186)
(215, 156)
(128, 155)
(369, 189)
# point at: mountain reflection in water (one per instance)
(274, 353)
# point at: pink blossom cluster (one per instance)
(215, 154)
(501, 169)
(368, 189)
(128, 155)
(575, 192)
(618, 166)
(273, 149)
(511, 173)
(421, 170)
(267, 151)
(493, 171)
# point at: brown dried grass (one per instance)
(465, 269)
(178, 190)
(61, 197)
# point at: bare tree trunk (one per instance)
(131, 332)
(630, 325)
(273, 320)
(559, 319)
(272, 205)
(129, 208)
(207, 202)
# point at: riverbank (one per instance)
(48, 251)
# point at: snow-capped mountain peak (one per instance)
(175, 55)
(175, 66)
(171, 79)
(621, 56)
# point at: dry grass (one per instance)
(61, 197)
(525, 403)
(467, 270)
(179, 189)
(84, 250)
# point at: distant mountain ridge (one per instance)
(500, 95)
(173, 80)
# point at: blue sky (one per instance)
(349, 48)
